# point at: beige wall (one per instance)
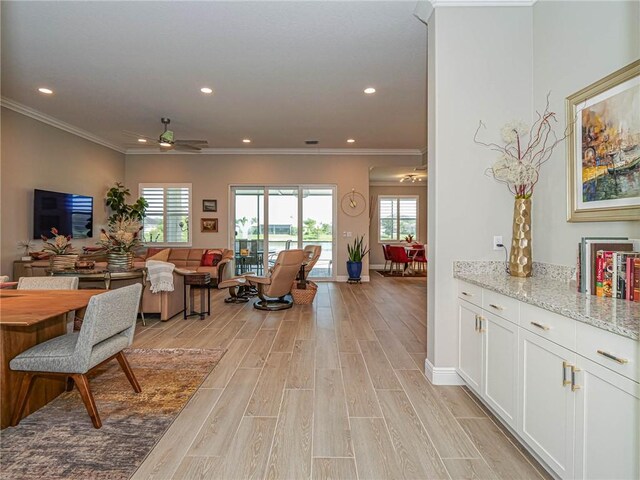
(376, 255)
(212, 175)
(37, 155)
(562, 65)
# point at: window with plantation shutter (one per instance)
(168, 219)
(398, 217)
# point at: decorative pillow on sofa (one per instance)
(161, 255)
(211, 258)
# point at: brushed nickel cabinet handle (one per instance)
(565, 381)
(497, 307)
(467, 294)
(610, 356)
(481, 318)
(574, 386)
(476, 327)
(539, 325)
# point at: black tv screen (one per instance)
(70, 214)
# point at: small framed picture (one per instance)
(209, 225)
(209, 205)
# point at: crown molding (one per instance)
(482, 3)
(54, 122)
(282, 151)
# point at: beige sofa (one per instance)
(169, 304)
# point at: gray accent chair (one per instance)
(108, 328)
(51, 283)
(273, 288)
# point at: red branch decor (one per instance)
(524, 152)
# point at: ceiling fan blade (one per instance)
(191, 142)
(187, 147)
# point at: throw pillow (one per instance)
(161, 256)
(211, 258)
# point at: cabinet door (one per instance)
(546, 421)
(470, 345)
(607, 417)
(501, 366)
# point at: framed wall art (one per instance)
(209, 225)
(603, 161)
(209, 205)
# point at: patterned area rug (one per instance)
(417, 273)
(59, 441)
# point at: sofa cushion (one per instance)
(213, 271)
(211, 258)
(151, 251)
(161, 256)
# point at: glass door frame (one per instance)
(300, 187)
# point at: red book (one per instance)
(629, 272)
(636, 279)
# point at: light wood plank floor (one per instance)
(330, 390)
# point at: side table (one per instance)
(197, 281)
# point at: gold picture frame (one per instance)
(209, 225)
(603, 149)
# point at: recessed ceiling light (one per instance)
(142, 140)
(206, 90)
(246, 140)
(165, 144)
(46, 91)
(351, 140)
(369, 90)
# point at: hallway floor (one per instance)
(330, 390)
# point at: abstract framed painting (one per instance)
(603, 161)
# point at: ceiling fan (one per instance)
(166, 140)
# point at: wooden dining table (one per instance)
(29, 317)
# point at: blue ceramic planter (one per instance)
(354, 269)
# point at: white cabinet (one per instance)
(607, 406)
(547, 401)
(470, 345)
(569, 390)
(500, 380)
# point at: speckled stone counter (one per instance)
(550, 288)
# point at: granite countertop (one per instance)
(551, 289)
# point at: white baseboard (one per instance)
(441, 375)
(376, 267)
(344, 278)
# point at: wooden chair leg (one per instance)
(124, 364)
(82, 382)
(69, 386)
(23, 396)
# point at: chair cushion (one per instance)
(57, 355)
(161, 256)
(211, 258)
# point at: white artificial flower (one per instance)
(512, 130)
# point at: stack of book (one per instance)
(609, 267)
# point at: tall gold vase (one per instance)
(520, 263)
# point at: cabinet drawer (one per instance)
(549, 325)
(501, 305)
(470, 293)
(615, 352)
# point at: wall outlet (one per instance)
(349, 234)
(497, 240)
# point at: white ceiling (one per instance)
(282, 72)
(393, 174)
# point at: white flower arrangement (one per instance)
(122, 236)
(524, 152)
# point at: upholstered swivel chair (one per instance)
(51, 283)
(273, 288)
(312, 255)
(108, 328)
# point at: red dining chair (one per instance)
(398, 257)
(420, 257)
(387, 258)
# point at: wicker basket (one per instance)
(303, 296)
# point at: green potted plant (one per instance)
(122, 234)
(356, 252)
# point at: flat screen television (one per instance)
(70, 214)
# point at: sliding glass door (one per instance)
(269, 219)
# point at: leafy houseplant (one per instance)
(117, 202)
(356, 253)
